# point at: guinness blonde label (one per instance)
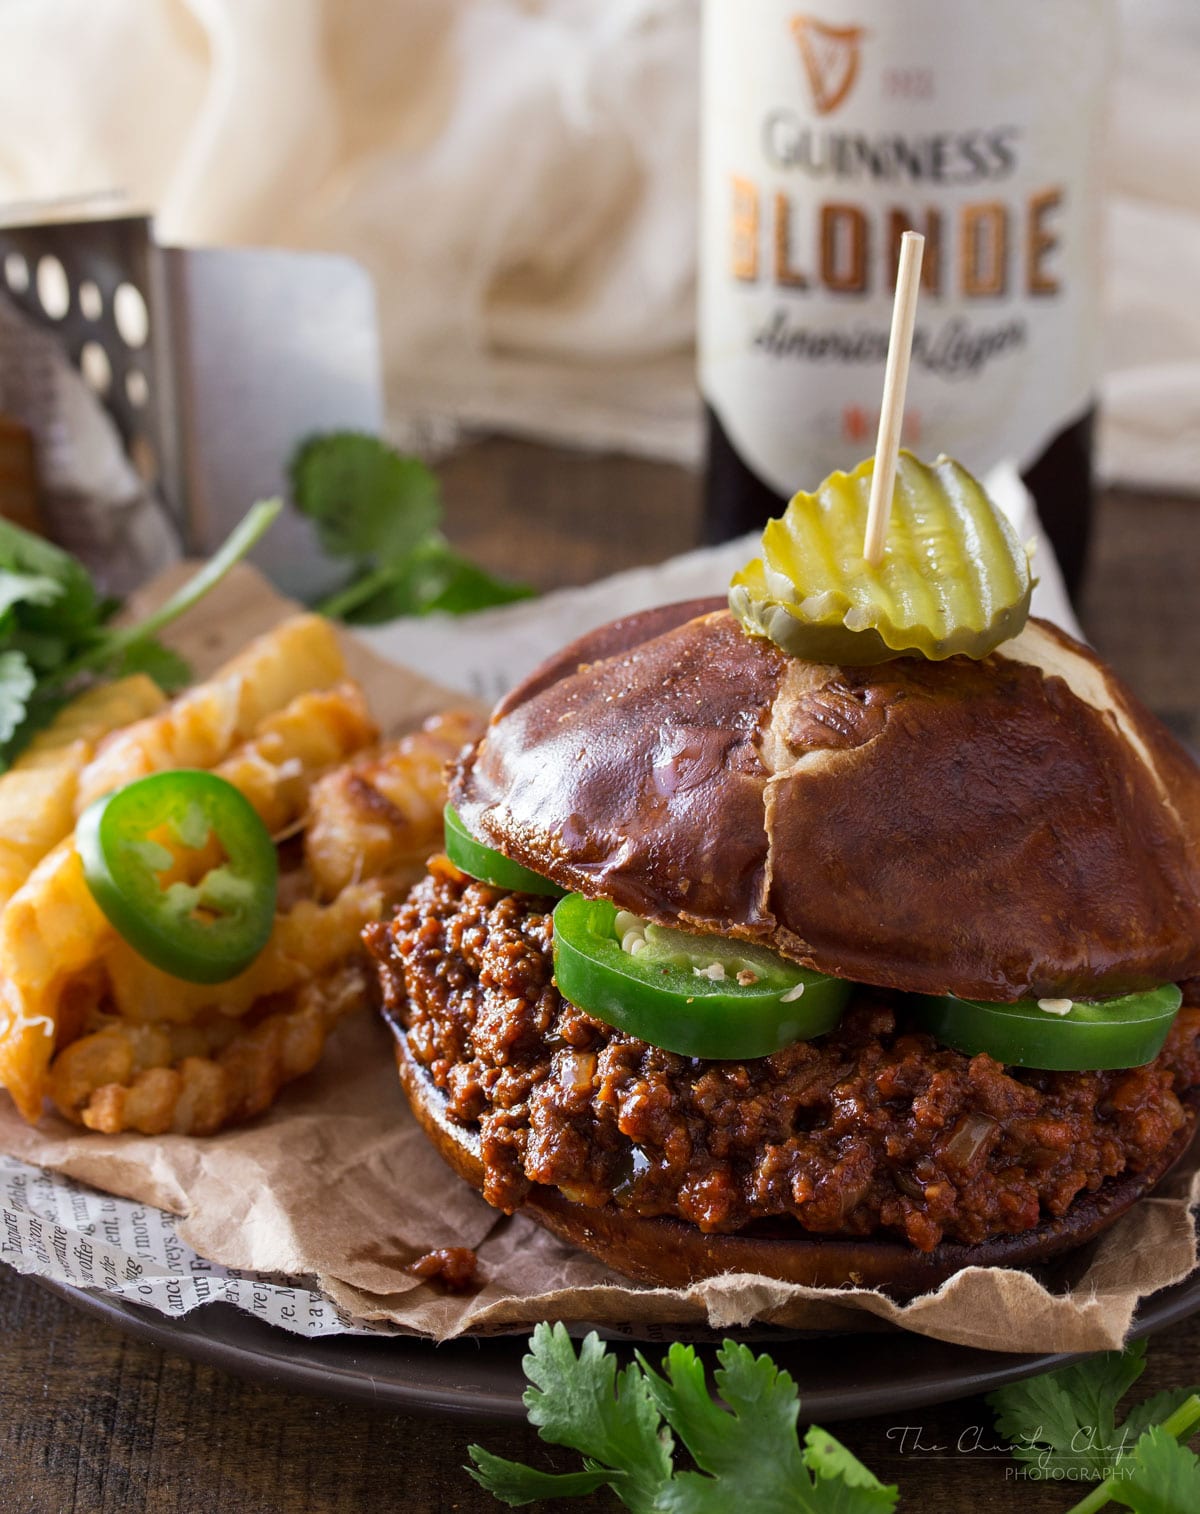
(827, 132)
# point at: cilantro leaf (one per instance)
(23, 551)
(585, 1403)
(42, 649)
(168, 670)
(624, 1424)
(381, 512)
(1154, 1410)
(54, 640)
(433, 577)
(465, 587)
(400, 588)
(366, 501)
(1065, 1424)
(764, 1402)
(829, 1459)
(1067, 1419)
(1159, 1477)
(27, 588)
(17, 683)
(73, 609)
(513, 1483)
(751, 1451)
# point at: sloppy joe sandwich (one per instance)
(835, 972)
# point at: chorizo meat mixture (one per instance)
(872, 1129)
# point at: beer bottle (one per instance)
(826, 133)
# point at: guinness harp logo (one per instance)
(830, 55)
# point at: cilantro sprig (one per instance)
(1064, 1424)
(381, 512)
(627, 1422)
(631, 1424)
(55, 636)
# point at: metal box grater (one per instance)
(213, 362)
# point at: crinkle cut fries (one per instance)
(117, 1043)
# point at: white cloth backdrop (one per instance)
(519, 176)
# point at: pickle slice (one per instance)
(954, 577)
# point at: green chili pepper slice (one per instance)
(185, 870)
(700, 996)
(490, 866)
(1056, 1035)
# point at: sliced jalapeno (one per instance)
(185, 870)
(490, 866)
(700, 996)
(1056, 1035)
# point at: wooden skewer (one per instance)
(895, 382)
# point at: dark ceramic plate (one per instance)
(840, 1376)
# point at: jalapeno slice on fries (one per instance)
(182, 866)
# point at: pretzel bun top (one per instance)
(1011, 828)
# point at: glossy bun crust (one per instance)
(1017, 827)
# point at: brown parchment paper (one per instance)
(338, 1182)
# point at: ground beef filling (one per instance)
(872, 1128)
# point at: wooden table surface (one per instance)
(94, 1422)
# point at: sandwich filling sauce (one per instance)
(872, 1129)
